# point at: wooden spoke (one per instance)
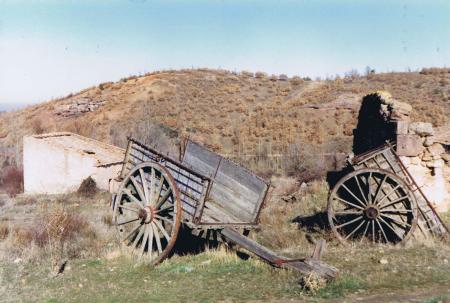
(348, 213)
(359, 226)
(399, 200)
(133, 209)
(396, 211)
(388, 194)
(158, 189)
(382, 231)
(138, 237)
(163, 231)
(379, 189)
(401, 224)
(164, 198)
(133, 198)
(151, 198)
(365, 230)
(132, 232)
(360, 190)
(369, 186)
(144, 240)
(138, 188)
(164, 209)
(390, 227)
(373, 231)
(349, 203)
(150, 238)
(164, 219)
(144, 185)
(128, 221)
(349, 222)
(353, 195)
(157, 237)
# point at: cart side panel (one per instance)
(236, 194)
(201, 159)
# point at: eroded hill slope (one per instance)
(237, 114)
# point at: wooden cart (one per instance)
(202, 191)
(378, 200)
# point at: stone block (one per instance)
(427, 156)
(446, 157)
(435, 164)
(436, 149)
(415, 160)
(402, 127)
(428, 141)
(422, 129)
(409, 145)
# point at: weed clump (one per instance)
(11, 180)
(312, 283)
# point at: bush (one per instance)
(58, 227)
(88, 188)
(11, 180)
(57, 234)
(37, 126)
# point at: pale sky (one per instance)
(52, 48)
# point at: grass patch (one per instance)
(438, 299)
(199, 278)
(342, 286)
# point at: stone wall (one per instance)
(423, 149)
(427, 158)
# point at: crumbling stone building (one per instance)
(424, 150)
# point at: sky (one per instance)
(49, 49)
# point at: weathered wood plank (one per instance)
(305, 267)
(214, 210)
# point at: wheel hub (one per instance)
(371, 212)
(147, 214)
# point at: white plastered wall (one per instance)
(52, 169)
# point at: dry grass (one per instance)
(55, 228)
(4, 231)
(25, 200)
(279, 229)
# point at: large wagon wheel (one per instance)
(372, 204)
(147, 211)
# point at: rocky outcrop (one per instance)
(78, 106)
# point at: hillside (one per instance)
(242, 115)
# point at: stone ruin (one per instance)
(423, 149)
